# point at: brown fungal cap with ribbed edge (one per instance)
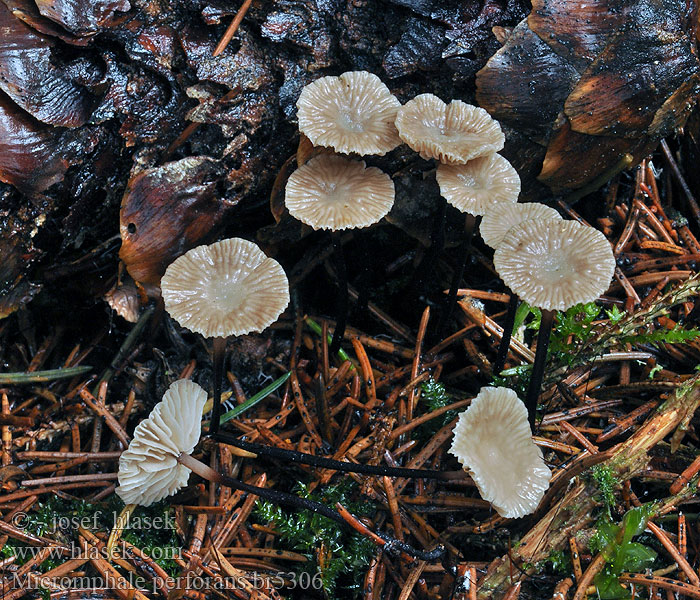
(124, 300)
(451, 133)
(555, 264)
(148, 469)
(493, 441)
(501, 217)
(333, 192)
(227, 288)
(354, 112)
(479, 184)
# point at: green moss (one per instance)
(607, 483)
(342, 552)
(150, 529)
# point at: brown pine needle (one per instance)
(232, 28)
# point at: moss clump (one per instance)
(331, 550)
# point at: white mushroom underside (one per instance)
(452, 133)
(555, 264)
(493, 441)
(354, 112)
(478, 185)
(227, 288)
(501, 217)
(148, 469)
(332, 192)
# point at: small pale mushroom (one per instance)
(479, 185)
(124, 300)
(333, 192)
(553, 265)
(493, 441)
(227, 288)
(159, 459)
(149, 469)
(336, 193)
(354, 112)
(451, 133)
(501, 217)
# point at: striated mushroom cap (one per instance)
(452, 133)
(354, 112)
(227, 288)
(333, 192)
(148, 469)
(124, 300)
(555, 264)
(493, 441)
(501, 217)
(480, 184)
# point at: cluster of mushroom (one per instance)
(551, 264)
(465, 140)
(355, 113)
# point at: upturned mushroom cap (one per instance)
(124, 300)
(148, 469)
(227, 288)
(333, 192)
(480, 184)
(451, 133)
(493, 441)
(501, 217)
(354, 112)
(555, 264)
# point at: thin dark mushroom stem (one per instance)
(533, 391)
(513, 303)
(219, 356)
(471, 224)
(336, 465)
(342, 298)
(286, 499)
(430, 257)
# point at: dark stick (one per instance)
(219, 355)
(471, 224)
(692, 202)
(342, 299)
(336, 465)
(533, 391)
(507, 334)
(367, 276)
(286, 499)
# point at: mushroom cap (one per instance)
(354, 112)
(555, 264)
(480, 184)
(501, 217)
(493, 441)
(124, 300)
(333, 192)
(452, 133)
(227, 288)
(148, 469)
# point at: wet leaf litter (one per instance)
(135, 132)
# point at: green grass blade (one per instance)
(254, 399)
